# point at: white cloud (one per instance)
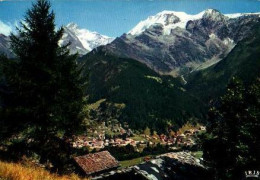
(5, 28)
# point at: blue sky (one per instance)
(115, 17)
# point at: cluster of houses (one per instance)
(185, 139)
(100, 143)
(102, 165)
(188, 138)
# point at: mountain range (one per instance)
(81, 41)
(166, 70)
(175, 42)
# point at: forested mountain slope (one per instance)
(146, 98)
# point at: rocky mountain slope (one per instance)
(175, 42)
(242, 62)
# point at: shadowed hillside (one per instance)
(150, 99)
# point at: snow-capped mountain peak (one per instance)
(170, 42)
(168, 19)
(213, 15)
(171, 19)
(72, 26)
(83, 40)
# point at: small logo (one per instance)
(252, 173)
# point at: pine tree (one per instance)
(232, 143)
(45, 89)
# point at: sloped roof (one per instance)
(96, 162)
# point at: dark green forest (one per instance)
(151, 100)
(231, 144)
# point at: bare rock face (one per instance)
(175, 42)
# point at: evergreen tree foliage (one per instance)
(232, 141)
(45, 92)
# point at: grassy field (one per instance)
(16, 171)
(137, 137)
(197, 154)
(132, 162)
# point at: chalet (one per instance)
(180, 138)
(133, 143)
(101, 136)
(147, 158)
(122, 131)
(96, 163)
(202, 128)
(154, 137)
(163, 137)
(188, 132)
